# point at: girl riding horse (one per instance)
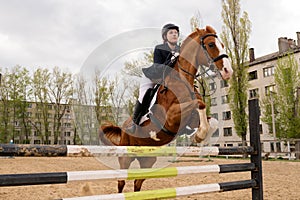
(178, 104)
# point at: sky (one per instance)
(69, 33)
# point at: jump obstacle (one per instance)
(64, 177)
(131, 151)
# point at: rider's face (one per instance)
(172, 36)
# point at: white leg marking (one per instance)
(153, 135)
(203, 128)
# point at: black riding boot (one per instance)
(136, 117)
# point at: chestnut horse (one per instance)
(178, 103)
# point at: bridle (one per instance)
(212, 67)
(211, 61)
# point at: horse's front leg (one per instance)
(124, 164)
(204, 126)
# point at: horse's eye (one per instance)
(211, 45)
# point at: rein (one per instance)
(210, 61)
(212, 67)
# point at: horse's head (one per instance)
(203, 47)
(214, 51)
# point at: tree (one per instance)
(196, 21)
(14, 91)
(235, 35)
(101, 97)
(117, 91)
(202, 81)
(41, 93)
(5, 107)
(60, 95)
(133, 69)
(285, 99)
(19, 82)
(85, 120)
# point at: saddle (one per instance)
(145, 114)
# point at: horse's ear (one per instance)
(210, 29)
(198, 31)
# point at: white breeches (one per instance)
(145, 84)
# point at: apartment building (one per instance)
(36, 126)
(261, 81)
(78, 124)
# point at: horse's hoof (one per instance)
(197, 139)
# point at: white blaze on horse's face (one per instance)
(226, 71)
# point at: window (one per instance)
(67, 124)
(17, 123)
(67, 116)
(67, 134)
(212, 86)
(36, 133)
(260, 129)
(252, 75)
(268, 71)
(226, 115)
(227, 131)
(17, 133)
(49, 106)
(213, 101)
(253, 93)
(223, 83)
(224, 99)
(215, 115)
(269, 89)
(37, 141)
(216, 133)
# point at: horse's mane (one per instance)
(196, 35)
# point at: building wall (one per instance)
(261, 82)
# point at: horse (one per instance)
(178, 103)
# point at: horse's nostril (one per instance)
(225, 69)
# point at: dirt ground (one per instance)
(281, 179)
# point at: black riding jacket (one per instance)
(162, 59)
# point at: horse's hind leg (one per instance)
(124, 164)
(145, 162)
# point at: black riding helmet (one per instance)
(168, 27)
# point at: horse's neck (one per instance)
(192, 55)
(185, 70)
(187, 62)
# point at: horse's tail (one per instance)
(110, 134)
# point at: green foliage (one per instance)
(195, 21)
(103, 108)
(285, 99)
(235, 36)
(134, 67)
(39, 104)
(13, 92)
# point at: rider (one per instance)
(164, 55)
